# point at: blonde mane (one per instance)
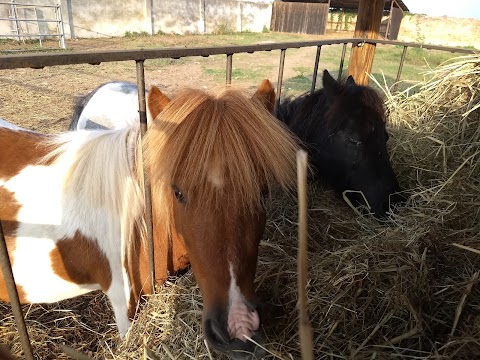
(235, 134)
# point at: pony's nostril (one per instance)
(215, 333)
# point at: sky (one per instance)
(455, 8)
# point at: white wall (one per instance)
(93, 18)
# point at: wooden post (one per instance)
(368, 24)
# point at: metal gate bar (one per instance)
(13, 297)
(315, 68)
(342, 59)
(228, 70)
(400, 68)
(142, 111)
(280, 79)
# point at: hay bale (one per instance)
(396, 288)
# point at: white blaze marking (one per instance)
(215, 177)
(241, 322)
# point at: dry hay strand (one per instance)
(436, 130)
(376, 289)
(85, 323)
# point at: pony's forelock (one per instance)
(228, 131)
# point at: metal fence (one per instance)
(38, 20)
(38, 61)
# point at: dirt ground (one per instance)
(43, 99)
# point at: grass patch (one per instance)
(297, 84)
(155, 63)
(237, 74)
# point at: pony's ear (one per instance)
(350, 81)
(266, 94)
(156, 101)
(330, 85)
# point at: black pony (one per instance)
(343, 129)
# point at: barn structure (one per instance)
(311, 16)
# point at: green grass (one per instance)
(237, 74)
(156, 63)
(297, 84)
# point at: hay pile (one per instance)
(406, 287)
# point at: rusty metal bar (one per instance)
(39, 60)
(400, 68)
(280, 79)
(13, 296)
(315, 69)
(142, 110)
(342, 59)
(229, 69)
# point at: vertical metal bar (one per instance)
(400, 68)
(142, 110)
(315, 68)
(13, 296)
(60, 28)
(70, 19)
(340, 70)
(17, 23)
(203, 16)
(280, 78)
(152, 17)
(229, 69)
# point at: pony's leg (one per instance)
(116, 295)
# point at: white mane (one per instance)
(102, 173)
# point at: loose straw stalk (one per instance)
(305, 328)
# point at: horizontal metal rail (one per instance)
(91, 57)
(32, 20)
(40, 60)
(95, 57)
(29, 5)
(28, 35)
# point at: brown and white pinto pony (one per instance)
(72, 207)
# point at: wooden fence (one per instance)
(304, 18)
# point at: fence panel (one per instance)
(304, 18)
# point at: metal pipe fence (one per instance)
(16, 20)
(38, 61)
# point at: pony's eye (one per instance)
(179, 195)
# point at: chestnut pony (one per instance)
(72, 207)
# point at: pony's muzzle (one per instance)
(217, 335)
